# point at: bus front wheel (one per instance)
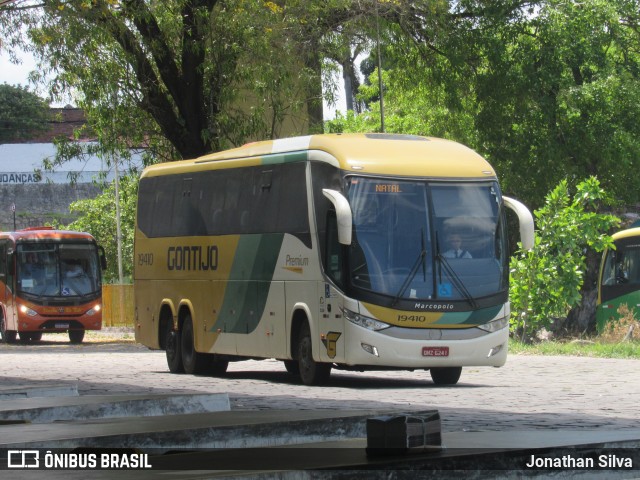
(311, 372)
(8, 336)
(76, 336)
(30, 337)
(445, 375)
(193, 362)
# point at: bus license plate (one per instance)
(62, 325)
(435, 351)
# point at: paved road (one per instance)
(530, 392)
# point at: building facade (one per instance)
(31, 196)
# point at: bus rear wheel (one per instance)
(311, 372)
(76, 336)
(173, 349)
(445, 375)
(193, 362)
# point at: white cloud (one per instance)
(16, 74)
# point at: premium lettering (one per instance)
(192, 258)
(296, 261)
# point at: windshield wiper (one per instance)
(455, 278)
(422, 259)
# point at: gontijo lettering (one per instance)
(192, 257)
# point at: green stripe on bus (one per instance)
(477, 317)
(244, 301)
(284, 158)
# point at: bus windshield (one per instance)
(621, 272)
(58, 269)
(427, 240)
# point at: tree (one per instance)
(558, 94)
(176, 73)
(22, 114)
(98, 217)
(552, 87)
(186, 77)
(546, 281)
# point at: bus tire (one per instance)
(30, 337)
(193, 362)
(217, 366)
(445, 375)
(8, 336)
(76, 336)
(292, 366)
(173, 349)
(311, 372)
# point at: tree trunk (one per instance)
(314, 88)
(582, 318)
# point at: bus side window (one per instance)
(333, 262)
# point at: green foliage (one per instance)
(579, 348)
(559, 96)
(546, 281)
(182, 78)
(98, 217)
(410, 108)
(22, 114)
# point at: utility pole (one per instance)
(114, 159)
(379, 71)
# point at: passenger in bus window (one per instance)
(73, 269)
(32, 267)
(75, 281)
(456, 250)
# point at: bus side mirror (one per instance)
(525, 219)
(103, 258)
(343, 214)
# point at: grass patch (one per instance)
(578, 348)
(619, 339)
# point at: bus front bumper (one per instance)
(397, 349)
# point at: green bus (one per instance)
(619, 279)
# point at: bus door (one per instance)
(330, 317)
(5, 288)
(331, 323)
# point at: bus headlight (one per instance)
(93, 311)
(495, 325)
(27, 311)
(362, 321)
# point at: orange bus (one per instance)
(50, 281)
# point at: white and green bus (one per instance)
(326, 251)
